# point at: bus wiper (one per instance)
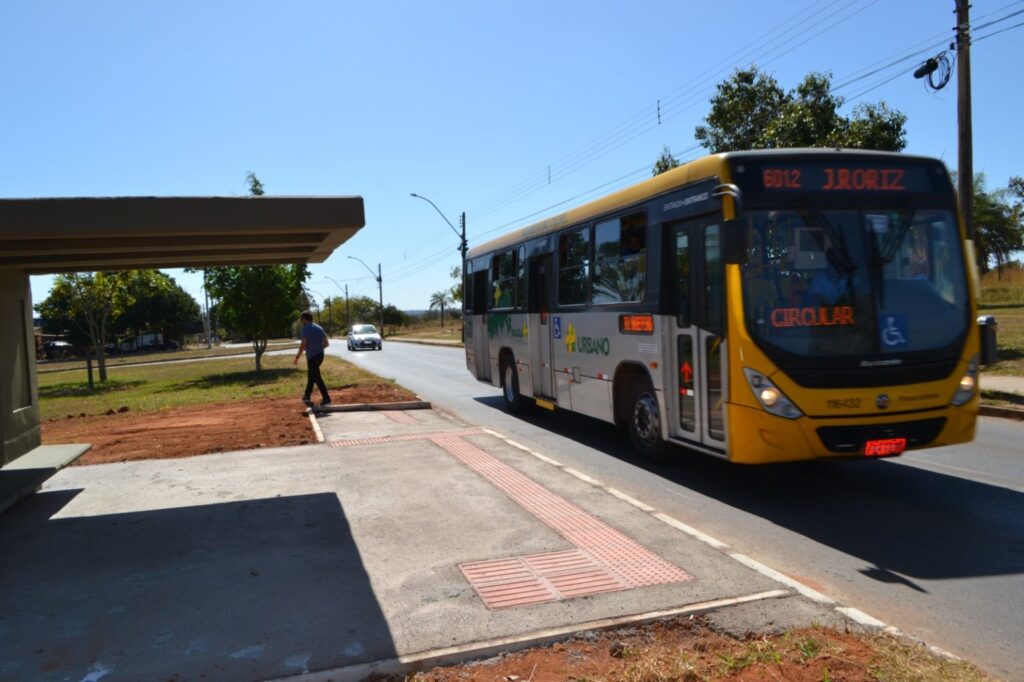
(837, 255)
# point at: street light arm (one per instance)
(335, 282)
(413, 194)
(367, 268)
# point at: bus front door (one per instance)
(696, 413)
(540, 292)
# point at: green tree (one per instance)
(438, 301)
(998, 223)
(394, 318)
(750, 110)
(255, 186)
(664, 162)
(257, 302)
(364, 310)
(167, 309)
(93, 300)
(456, 289)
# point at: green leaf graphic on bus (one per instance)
(591, 345)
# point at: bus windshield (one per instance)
(862, 282)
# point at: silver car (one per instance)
(364, 336)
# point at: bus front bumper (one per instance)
(757, 437)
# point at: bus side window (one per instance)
(620, 259)
(503, 280)
(573, 266)
(520, 296)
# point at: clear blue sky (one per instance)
(459, 101)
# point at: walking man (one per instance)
(314, 340)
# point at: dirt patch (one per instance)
(690, 650)
(203, 429)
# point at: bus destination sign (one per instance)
(845, 178)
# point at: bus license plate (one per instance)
(885, 448)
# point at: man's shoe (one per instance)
(307, 401)
(325, 402)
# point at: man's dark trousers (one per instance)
(313, 363)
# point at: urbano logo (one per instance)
(586, 344)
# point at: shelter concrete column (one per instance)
(19, 392)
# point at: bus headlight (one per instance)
(771, 398)
(968, 384)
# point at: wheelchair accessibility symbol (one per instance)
(894, 331)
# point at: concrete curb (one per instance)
(1003, 412)
(403, 665)
(368, 407)
(316, 427)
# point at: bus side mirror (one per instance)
(734, 242)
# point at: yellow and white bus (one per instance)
(757, 306)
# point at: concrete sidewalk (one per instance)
(407, 539)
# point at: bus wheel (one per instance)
(514, 402)
(645, 423)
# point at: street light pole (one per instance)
(380, 289)
(462, 250)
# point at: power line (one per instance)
(628, 131)
(613, 138)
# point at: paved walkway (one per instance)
(407, 538)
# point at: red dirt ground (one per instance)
(200, 430)
(688, 650)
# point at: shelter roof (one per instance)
(112, 233)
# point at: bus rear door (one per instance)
(480, 340)
(540, 293)
(696, 413)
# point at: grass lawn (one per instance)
(159, 386)
(1009, 338)
(160, 356)
(432, 331)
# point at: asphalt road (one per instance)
(932, 542)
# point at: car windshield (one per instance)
(854, 282)
(364, 329)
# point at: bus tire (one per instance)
(644, 423)
(514, 401)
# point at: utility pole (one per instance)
(348, 321)
(965, 160)
(330, 317)
(462, 269)
(380, 289)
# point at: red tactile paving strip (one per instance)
(539, 578)
(603, 560)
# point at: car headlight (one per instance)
(771, 398)
(968, 384)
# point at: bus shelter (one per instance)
(46, 236)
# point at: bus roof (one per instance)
(692, 171)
